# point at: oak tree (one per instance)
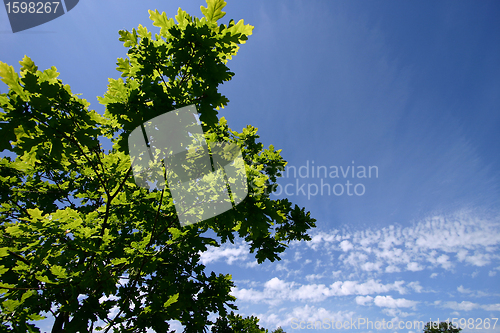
(80, 240)
(442, 327)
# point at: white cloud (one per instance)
(415, 286)
(276, 290)
(275, 284)
(463, 306)
(396, 314)
(363, 300)
(491, 307)
(312, 313)
(438, 241)
(392, 269)
(346, 288)
(443, 260)
(336, 274)
(371, 266)
(463, 290)
(389, 302)
(347, 265)
(414, 267)
(312, 277)
(229, 253)
(480, 259)
(345, 245)
(468, 306)
(322, 237)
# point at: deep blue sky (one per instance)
(412, 88)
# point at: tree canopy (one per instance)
(80, 240)
(442, 327)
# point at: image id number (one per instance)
(31, 7)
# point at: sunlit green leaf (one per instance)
(213, 12)
(171, 300)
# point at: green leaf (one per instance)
(213, 12)
(10, 305)
(161, 21)
(3, 269)
(8, 74)
(14, 230)
(43, 279)
(35, 213)
(182, 17)
(143, 32)
(28, 65)
(171, 300)
(241, 28)
(128, 38)
(59, 272)
(4, 251)
(117, 261)
(35, 317)
(27, 295)
(50, 75)
(10, 78)
(21, 266)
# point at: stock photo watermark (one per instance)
(24, 15)
(312, 180)
(171, 149)
(365, 323)
(207, 180)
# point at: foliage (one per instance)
(279, 330)
(236, 323)
(442, 327)
(79, 238)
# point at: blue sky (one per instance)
(410, 88)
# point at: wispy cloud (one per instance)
(229, 253)
(276, 291)
(436, 242)
(468, 306)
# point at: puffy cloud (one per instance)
(346, 288)
(229, 253)
(463, 290)
(463, 306)
(389, 302)
(491, 307)
(392, 269)
(312, 277)
(415, 286)
(345, 245)
(342, 258)
(363, 300)
(276, 284)
(414, 267)
(311, 313)
(276, 290)
(371, 266)
(443, 260)
(438, 241)
(468, 306)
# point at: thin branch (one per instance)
(39, 288)
(122, 183)
(69, 138)
(26, 261)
